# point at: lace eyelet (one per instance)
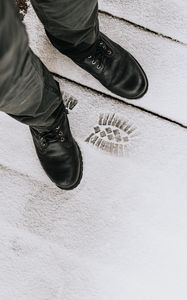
(60, 133)
(109, 52)
(89, 57)
(98, 67)
(57, 128)
(101, 43)
(62, 139)
(43, 144)
(93, 62)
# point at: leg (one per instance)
(74, 23)
(72, 27)
(29, 93)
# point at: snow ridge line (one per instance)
(117, 99)
(140, 27)
(14, 172)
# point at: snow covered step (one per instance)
(164, 61)
(17, 150)
(121, 234)
(34, 268)
(166, 17)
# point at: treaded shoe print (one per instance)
(22, 8)
(112, 134)
(69, 101)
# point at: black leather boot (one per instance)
(112, 65)
(58, 153)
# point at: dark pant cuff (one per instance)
(75, 53)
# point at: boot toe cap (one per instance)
(70, 177)
(137, 85)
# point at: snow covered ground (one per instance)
(122, 234)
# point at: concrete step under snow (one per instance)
(121, 234)
(165, 17)
(92, 107)
(164, 61)
(39, 268)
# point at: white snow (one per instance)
(122, 234)
(167, 17)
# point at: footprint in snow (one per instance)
(69, 101)
(112, 134)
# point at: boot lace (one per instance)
(51, 137)
(101, 51)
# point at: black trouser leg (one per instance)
(73, 23)
(28, 91)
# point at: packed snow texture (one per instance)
(166, 17)
(122, 234)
